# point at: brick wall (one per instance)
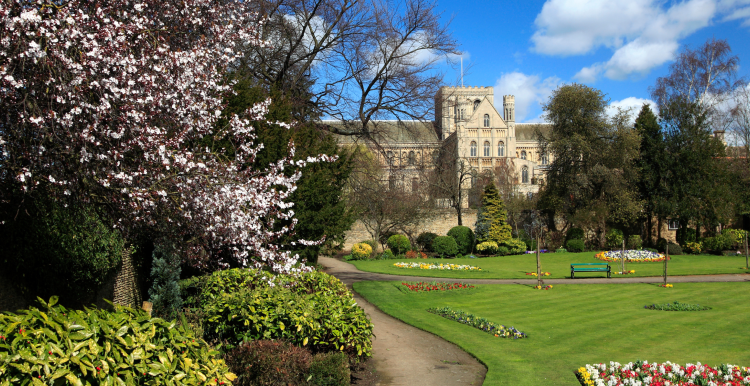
(440, 225)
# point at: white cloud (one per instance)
(642, 34)
(530, 91)
(633, 104)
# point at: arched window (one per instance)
(523, 154)
(435, 155)
(476, 104)
(545, 160)
(415, 184)
(501, 149)
(412, 160)
(525, 175)
(473, 149)
(486, 120)
(486, 149)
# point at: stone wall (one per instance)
(440, 225)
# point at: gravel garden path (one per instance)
(405, 355)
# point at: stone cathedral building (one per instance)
(469, 126)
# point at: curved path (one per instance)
(406, 355)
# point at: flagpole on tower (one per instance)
(462, 70)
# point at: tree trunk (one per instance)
(649, 231)
(658, 228)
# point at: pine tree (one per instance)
(493, 217)
(164, 293)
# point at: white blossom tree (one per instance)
(115, 102)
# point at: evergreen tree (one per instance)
(164, 293)
(492, 219)
(653, 165)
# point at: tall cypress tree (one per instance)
(492, 218)
(653, 166)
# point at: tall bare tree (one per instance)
(357, 61)
(449, 177)
(706, 76)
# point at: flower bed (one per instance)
(534, 273)
(676, 306)
(435, 286)
(631, 256)
(546, 287)
(625, 273)
(483, 324)
(668, 373)
(666, 285)
(449, 267)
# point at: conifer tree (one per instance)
(492, 219)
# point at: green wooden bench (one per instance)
(590, 267)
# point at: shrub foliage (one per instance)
(54, 345)
(399, 244)
(445, 246)
(464, 237)
(575, 245)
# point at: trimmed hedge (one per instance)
(445, 246)
(424, 240)
(54, 345)
(314, 310)
(575, 245)
(464, 237)
(399, 244)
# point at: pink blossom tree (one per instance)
(116, 103)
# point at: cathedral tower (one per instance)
(509, 108)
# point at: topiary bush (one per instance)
(515, 246)
(575, 245)
(487, 248)
(52, 345)
(361, 251)
(399, 244)
(674, 249)
(313, 310)
(635, 242)
(464, 237)
(574, 234)
(267, 362)
(445, 246)
(614, 239)
(424, 240)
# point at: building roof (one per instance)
(394, 132)
(527, 131)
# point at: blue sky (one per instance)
(529, 48)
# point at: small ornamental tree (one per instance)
(107, 102)
(492, 218)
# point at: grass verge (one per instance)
(573, 325)
(558, 265)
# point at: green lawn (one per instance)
(572, 325)
(558, 265)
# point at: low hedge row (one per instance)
(313, 310)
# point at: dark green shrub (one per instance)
(52, 250)
(502, 250)
(660, 244)
(717, 244)
(97, 347)
(445, 246)
(387, 254)
(674, 249)
(635, 242)
(399, 244)
(514, 246)
(464, 237)
(424, 240)
(561, 250)
(650, 249)
(313, 310)
(383, 239)
(614, 239)
(267, 362)
(575, 245)
(164, 293)
(330, 369)
(574, 234)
